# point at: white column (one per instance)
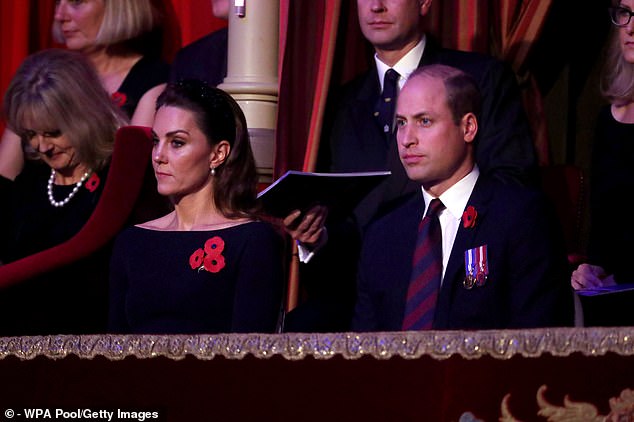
(252, 74)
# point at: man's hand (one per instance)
(310, 229)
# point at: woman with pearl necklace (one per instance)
(67, 125)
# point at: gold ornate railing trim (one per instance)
(502, 344)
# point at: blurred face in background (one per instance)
(392, 24)
(79, 22)
(220, 8)
(626, 33)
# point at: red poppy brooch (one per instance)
(469, 217)
(93, 182)
(119, 98)
(210, 257)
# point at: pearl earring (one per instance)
(212, 171)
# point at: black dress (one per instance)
(204, 59)
(160, 283)
(612, 187)
(611, 231)
(72, 300)
(144, 75)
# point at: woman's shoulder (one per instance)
(146, 74)
(255, 237)
(131, 234)
(139, 238)
(247, 230)
(158, 224)
(250, 233)
(258, 226)
(151, 67)
(242, 227)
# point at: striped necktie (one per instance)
(426, 272)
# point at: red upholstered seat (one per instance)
(130, 160)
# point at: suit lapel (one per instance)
(430, 54)
(466, 238)
(404, 240)
(366, 100)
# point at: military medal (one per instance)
(470, 273)
(468, 282)
(476, 267)
(482, 276)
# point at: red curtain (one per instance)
(195, 18)
(24, 28)
(506, 29)
(518, 26)
(13, 48)
(304, 82)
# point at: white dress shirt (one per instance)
(455, 200)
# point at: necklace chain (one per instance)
(63, 202)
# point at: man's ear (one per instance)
(469, 124)
(425, 5)
(219, 154)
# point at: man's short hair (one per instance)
(463, 94)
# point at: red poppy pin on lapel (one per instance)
(469, 217)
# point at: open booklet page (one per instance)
(606, 290)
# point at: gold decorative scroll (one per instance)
(621, 409)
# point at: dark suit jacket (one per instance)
(504, 146)
(204, 59)
(527, 284)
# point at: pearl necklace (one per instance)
(49, 189)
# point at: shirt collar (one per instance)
(408, 63)
(456, 197)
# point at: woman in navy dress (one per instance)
(209, 266)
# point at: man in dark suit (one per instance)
(503, 261)
(358, 141)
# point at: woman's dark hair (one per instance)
(220, 118)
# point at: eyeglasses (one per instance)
(620, 16)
